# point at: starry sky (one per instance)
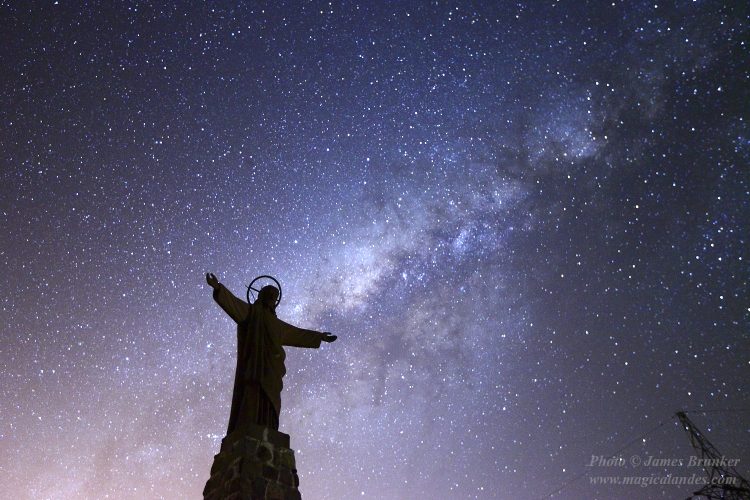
(526, 222)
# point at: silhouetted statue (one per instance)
(260, 357)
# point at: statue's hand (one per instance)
(212, 280)
(328, 337)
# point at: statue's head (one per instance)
(268, 296)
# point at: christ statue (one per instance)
(260, 355)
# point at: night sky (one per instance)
(526, 222)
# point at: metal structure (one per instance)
(723, 481)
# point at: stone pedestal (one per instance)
(254, 463)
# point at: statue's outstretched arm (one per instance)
(236, 308)
(299, 337)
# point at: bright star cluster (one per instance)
(526, 222)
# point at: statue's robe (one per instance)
(260, 359)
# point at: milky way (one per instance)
(526, 222)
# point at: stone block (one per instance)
(284, 459)
(250, 446)
(234, 469)
(264, 453)
(270, 473)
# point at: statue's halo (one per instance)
(251, 289)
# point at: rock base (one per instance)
(254, 463)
